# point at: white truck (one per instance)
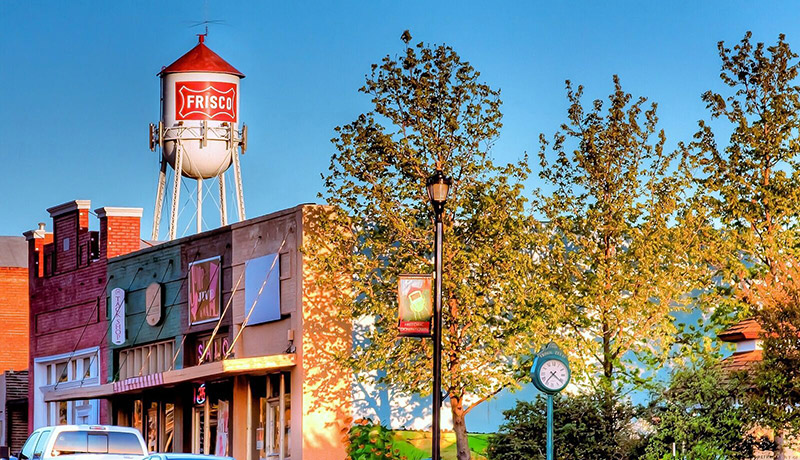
(84, 442)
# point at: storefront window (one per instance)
(273, 426)
(152, 427)
(63, 372)
(137, 415)
(169, 428)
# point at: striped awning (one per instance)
(203, 372)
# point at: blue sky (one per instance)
(79, 82)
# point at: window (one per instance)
(70, 442)
(27, 449)
(97, 444)
(64, 372)
(145, 360)
(80, 442)
(124, 443)
(45, 436)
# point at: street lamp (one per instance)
(438, 187)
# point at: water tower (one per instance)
(199, 134)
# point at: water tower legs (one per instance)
(199, 205)
(162, 182)
(223, 209)
(176, 191)
(237, 176)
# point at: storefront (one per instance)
(220, 343)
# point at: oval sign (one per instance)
(153, 303)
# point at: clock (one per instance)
(550, 371)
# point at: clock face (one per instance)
(553, 375)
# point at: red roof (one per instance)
(201, 59)
(748, 329)
(742, 361)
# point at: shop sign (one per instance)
(152, 298)
(262, 289)
(214, 351)
(200, 394)
(117, 316)
(205, 289)
(415, 301)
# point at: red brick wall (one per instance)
(14, 313)
(123, 235)
(68, 309)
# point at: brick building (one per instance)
(14, 303)
(68, 323)
(14, 346)
(223, 343)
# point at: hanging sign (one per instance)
(415, 300)
(204, 290)
(117, 316)
(152, 298)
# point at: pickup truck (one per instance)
(73, 442)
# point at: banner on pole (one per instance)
(415, 301)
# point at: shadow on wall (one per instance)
(326, 342)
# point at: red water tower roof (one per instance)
(201, 59)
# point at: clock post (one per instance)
(550, 374)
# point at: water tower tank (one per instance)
(200, 112)
(198, 134)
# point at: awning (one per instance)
(228, 367)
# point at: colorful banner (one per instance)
(205, 290)
(415, 299)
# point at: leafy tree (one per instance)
(700, 416)
(751, 190)
(430, 111)
(579, 430)
(620, 246)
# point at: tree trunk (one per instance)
(780, 447)
(460, 428)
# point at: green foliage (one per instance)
(580, 430)
(371, 441)
(620, 244)
(430, 111)
(701, 416)
(751, 189)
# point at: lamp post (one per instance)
(438, 187)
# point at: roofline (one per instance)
(69, 206)
(197, 236)
(165, 72)
(108, 211)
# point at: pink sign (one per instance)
(204, 290)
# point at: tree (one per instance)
(701, 416)
(579, 430)
(750, 188)
(430, 111)
(620, 245)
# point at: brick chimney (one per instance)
(36, 241)
(119, 231)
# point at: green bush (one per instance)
(585, 427)
(371, 441)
